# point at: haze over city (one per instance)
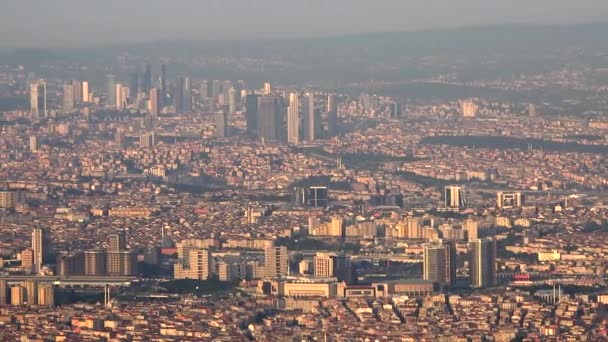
(303, 171)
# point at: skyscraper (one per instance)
(469, 109)
(507, 200)
(270, 118)
(267, 88)
(46, 295)
(163, 86)
(33, 143)
(147, 80)
(85, 92)
(221, 124)
(332, 115)
(252, 103)
(204, 90)
(276, 261)
(232, 99)
(482, 263)
(183, 95)
(332, 265)
(38, 99)
(455, 197)
(111, 90)
(121, 96)
(3, 292)
(293, 119)
(154, 102)
(68, 98)
(440, 263)
(39, 247)
(310, 117)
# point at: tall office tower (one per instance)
(293, 119)
(95, 263)
(396, 110)
(38, 99)
(472, 229)
(531, 109)
(336, 226)
(455, 197)
(332, 265)
(3, 292)
(194, 263)
(18, 297)
(221, 124)
(252, 103)
(31, 291)
(33, 143)
(310, 118)
(85, 92)
(147, 80)
(154, 102)
(121, 96)
(270, 118)
(163, 86)
(317, 196)
(39, 247)
(267, 88)
(68, 98)
(508, 200)
(77, 86)
(46, 295)
(147, 140)
(204, 90)
(469, 109)
(117, 242)
(332, 116)
(111, 89)
(276, 261)
(187, 93)
(134, 86)
(440, 263)
(482, 263)
(216, 89)
(232, 99)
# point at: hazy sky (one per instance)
(68, 22)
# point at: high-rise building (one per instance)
(482, 263)
(317, 196)
(38, 99)
(205, 90)
(472, 229)
(95, 263)
(332, 115)
(310, 118)
(163, 86)
(183, 95)
(440, 263)
(396, 110)
(121, 263)
(46, 295)
(252, 104)
(454, 197)
(10, 199)
(508, 200)
(31, 291)
(3, 292)
(293, 119)
(147, 80)
(154, 102)
(111, 90)
(270, 118)
(77, 85)
(117, 242)
(121, 96)
(232, 99)
(68, 98)
(267, 88)
(531, 109)
(221, 124)
(469, 109)
(85, 92)
(27, 259)
(276, 261)
(216, 89)
(18, 297)
(134, 86)
(332, 265)
(33, 143)
(40, 247)
(147, 140)
(194, 263)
